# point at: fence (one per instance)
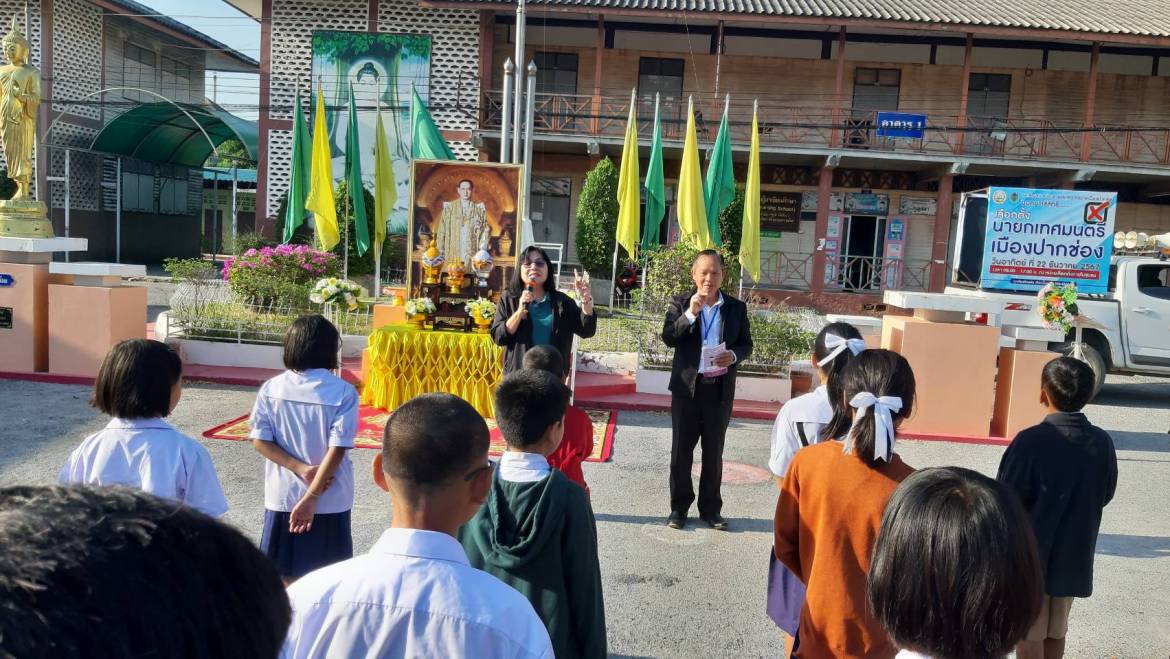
(207, 310)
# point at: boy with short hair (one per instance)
(414, 594)
(118, 572)
(536, 531)
(1065, 471)
(577, 444)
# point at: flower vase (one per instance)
(416, 320)
(481, 324)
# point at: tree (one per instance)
(597, 211)
(231, 154)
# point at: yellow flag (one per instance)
(692, 211)
(629, 192)
(385, 187)
(749, 245)
(320, 200)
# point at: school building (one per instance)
(1071, 96)
(121, 128)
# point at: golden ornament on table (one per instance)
(456, 274)
(432, 264)
(417, 310)
(481, 311)
(20, 97)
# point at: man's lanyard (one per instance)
(706, 327)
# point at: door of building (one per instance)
(550, 210)
(664, 77)
(861, 258)
(874, 90)
(988, 103)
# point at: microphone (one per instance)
(529, 289)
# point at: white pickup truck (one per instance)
(1133, 318)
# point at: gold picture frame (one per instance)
(494, 205)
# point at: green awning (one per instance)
(164, 133)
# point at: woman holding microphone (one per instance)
(533, 312)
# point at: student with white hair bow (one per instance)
(799, 424)
(831, 504)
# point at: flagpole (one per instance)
(377, 247)
(613, 269)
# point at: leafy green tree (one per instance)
(231, 154)
(597, 211)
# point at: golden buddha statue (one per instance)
(20, 97)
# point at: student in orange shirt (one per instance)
(578, 442)
(831, 506)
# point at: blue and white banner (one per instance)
(1040, 236)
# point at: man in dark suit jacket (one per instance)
(700, 402)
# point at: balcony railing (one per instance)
(1022, 138)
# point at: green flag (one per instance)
(655, 187)
(425, 139)
(353, 178)
(298, 183)
(719, 188)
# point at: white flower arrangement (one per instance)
(419, 306)
(481, 308)
(332, 290)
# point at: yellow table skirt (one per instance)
(405, 362)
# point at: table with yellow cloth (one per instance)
(405, 361)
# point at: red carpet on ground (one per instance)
(373, 420)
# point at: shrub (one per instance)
(250, 240)
(597, 211)
(190, 270)
(731, 222)
(281, 275)
(668, 273)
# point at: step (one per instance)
(603, 384)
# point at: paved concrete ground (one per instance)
(696, 593)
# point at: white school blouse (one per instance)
(151, 455)
(813, 412)
(413, 595)
(305, 414)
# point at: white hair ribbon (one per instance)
(883, 426)
(837, 345)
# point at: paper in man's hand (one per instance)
(707, 365)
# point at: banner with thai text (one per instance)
(1040, 236)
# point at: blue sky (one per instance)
(237, 92)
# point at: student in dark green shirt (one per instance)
(536, 531)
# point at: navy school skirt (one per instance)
(297, 554)
(785, 595)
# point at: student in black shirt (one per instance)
(1065, 471)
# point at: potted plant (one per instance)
(417, 310)
(481, 311)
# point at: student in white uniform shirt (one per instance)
(801, 422)
(955, 571)
(414, 594)
(304, 422)
(139, 383)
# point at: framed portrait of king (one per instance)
(464, 224)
